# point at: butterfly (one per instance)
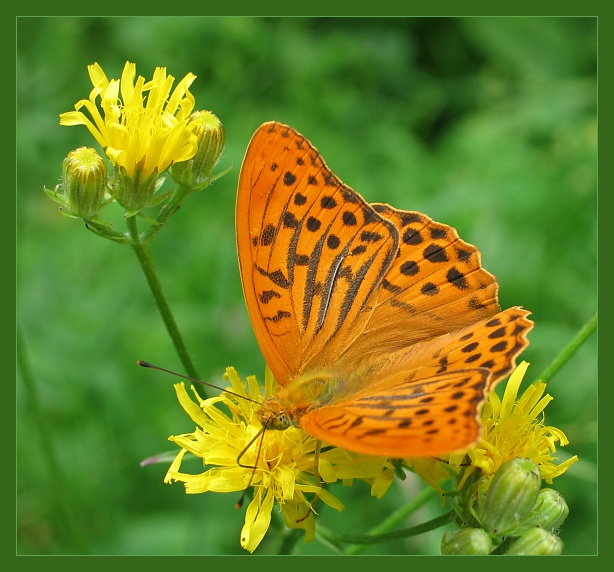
(380, 325)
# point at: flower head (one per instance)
(284, 460)
(142, 126)
(512, 427)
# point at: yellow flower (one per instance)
(141, 134)
(284, 459)
(512, 427)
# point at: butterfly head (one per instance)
(272, 416)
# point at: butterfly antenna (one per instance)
(151, 366)
(260, 433)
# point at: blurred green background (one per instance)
(487, 124)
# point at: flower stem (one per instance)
(392, 535)
(289, 540)
(142, 253)
(571, 348)
(60, 487)
(167, 211)
(396, 517)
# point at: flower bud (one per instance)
(549, 512)
(536, 542)
(84, 182)
(510, 497)
(196, 172)
(466, 541)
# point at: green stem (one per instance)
(289, 540)
(142, 253)
(393, 535)
(59, 484)
(167, 211)
(397, 516)
(571, 348)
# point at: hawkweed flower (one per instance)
(284, 460)
(142, 126)
(512, 427)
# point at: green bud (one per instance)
(466, 541)
(84, 182)
(536, 542)
(195, 173)
(510, 497)
(549, 512)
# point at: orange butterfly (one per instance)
(381, 326)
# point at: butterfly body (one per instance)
(381, 326)
(296, 399)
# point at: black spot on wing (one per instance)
(437, 233)
(267, 295)
(409, 268)
(313, 224)
(333, 241)
(278, 317)
(412, 237)
(457, 278)
(349, 219)
(328, 202)
(434, 253)
(268, 235)
(289, 220)
(289, 178)
(498, 333)
(429, 289)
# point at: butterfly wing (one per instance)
(424, 400)
(312, 252)
(432, 417)
(435, 285)
(391, 306)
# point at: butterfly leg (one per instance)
(316, 471)
(316, 463)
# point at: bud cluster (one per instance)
(509, 514)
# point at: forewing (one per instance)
(434, 286)
(311, 251)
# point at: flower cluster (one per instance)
(281, 465)
(138, 131)
(144, 128)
